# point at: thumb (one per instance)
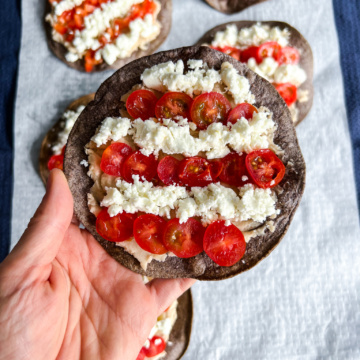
(41, 240)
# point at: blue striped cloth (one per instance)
(347, 16)
(10, 31)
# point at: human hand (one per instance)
(63, 297)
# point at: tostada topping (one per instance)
(266, 51)
(189, 158)
(103, 30)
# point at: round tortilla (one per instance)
(180, 334)
(164, 18)
(52, 135)
(297, 41)
(232, 6)
(107, 102)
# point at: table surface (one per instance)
(302, 301)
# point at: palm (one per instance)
(63, 297)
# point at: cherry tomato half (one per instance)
(268, 49)
(195, 171)
(117, 228)
(141, 355)
(167, 170)
(234, 170)
(229, 50)
(288, 92)
(250, 52)
(139, 164)
(156, 347)
(216, 167)
(184, 240)
(56, 161)
(173, 104)
(148, 233)
(208, 108)
(244, 110)
(113, 157)
(288, 55)
(141, 104)
(225, 245)
(265, 168)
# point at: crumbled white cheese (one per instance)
(210, 202)
(266, 69)
(141, 31)
(170, 76)
(172, 137)
(292, 74)
(111, 128)
(84, 163)
(237, 84)
(71, 57)
(228, 37)
(69, 117)
(65, 5)
(142, 196)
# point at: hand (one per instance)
(63, 297)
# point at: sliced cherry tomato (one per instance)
(234, 170)
(216, 167)
(156, 347)
(117, 228)
(288, 55)
(139, 164)
(250, 52)
(195, 171)
(268, 49)
(141, 104)
(173, 104)
(225, 245)
(265, 168)
(167, 170)
(208, 108)
(229, 50)
(141, 355)
(184, 240)
(113, 158)
(148, 233)
(288, 92)
(244, 110)
(56, 161)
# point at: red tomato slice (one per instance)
(288, 55)
(184, 240)
(141, 104)
(216, 167)
(141, 355)
(225, 245)
(234, 170)
(250, 52)
(208, 108)
(268, 49)
(167, 171)
(117, 228)
(56, 161)
(173, 104)
(157, 346)
(195, 171)
(148, 233)
(229, 50)
(139, 164)
(265, 168)
(288, 92)
(242, 110)
(113, 158)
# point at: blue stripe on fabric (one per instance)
(10, 32)
(347, 18)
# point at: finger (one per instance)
(41, 240)
(166, 291)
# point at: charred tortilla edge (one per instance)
(107, 103)
(232, 6)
